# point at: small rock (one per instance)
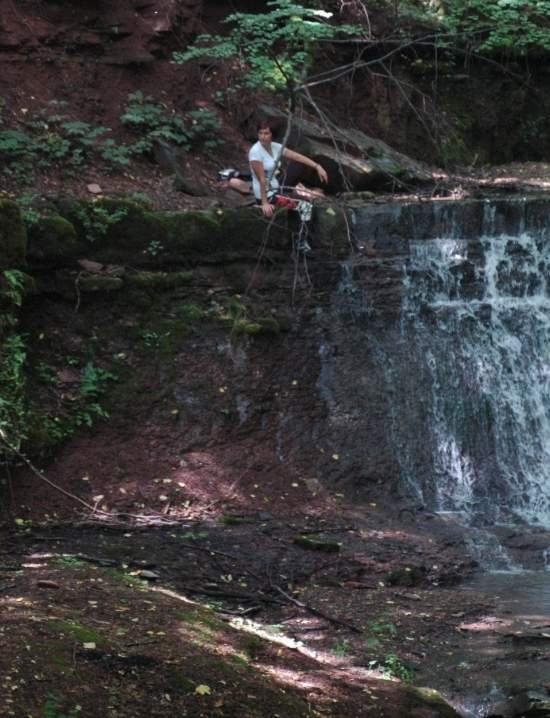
(69, 376)
(318, 543)
(149, 575)
(90, 266)
(45, 583)
(94, 188)
(313, 485)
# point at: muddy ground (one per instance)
(284, 613)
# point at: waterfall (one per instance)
(475, 323)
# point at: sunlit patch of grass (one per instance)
(127, 579)
(77, 631)
(186, 616)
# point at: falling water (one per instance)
(471, 375)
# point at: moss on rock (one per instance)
(52, 242)
(244, 327)
(318, 542)
(246, 229)
(191, 235)
(115, 231)
(121, 231)
(97, 283)
(13, 236)
(263, 325)
(159, 280)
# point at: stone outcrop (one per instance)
(354, 161)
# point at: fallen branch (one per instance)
(241, 596)
(317, 612)
(68, 494)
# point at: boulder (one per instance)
(52, 242)
(123, 232)
(354, 161)
(427, 703)
(171, 160)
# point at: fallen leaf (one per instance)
(203, 690)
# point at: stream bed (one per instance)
(500, 666)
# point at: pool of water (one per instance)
(507, 652)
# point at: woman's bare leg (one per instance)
(307, 193)
(240, 185)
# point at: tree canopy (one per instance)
(274, 49)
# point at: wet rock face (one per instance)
(348, 398)
(406, 327)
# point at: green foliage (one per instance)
(18, 150)
(513, 26)
(13, 286)
(81, 408)
(94, 379)
(382, 627)
(393, 667)
(26, 203)
(154, 248)
(143, 199)
(96, 219)
(151, 339)
(13, 405)
(92, 387)
(153, 121)
(55, 140)
(272, 50)
(55, 708)
(341, 649)
(190, 312)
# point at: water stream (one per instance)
(505, 658)
(466, 371)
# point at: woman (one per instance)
(264, 159)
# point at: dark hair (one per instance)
(263, 125)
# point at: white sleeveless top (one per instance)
(258, 153)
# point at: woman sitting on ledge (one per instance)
(264, 158)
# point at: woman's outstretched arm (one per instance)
(297, 157)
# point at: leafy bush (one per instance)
(13, 408)
(50, 140)
(96, 219)
(153, 121)
(12, 286)
(393, 667)
(27, 205)
(83, 408)
(501, 25)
